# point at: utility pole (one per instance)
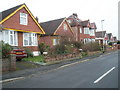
(102, 35)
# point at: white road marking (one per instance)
(8, 80)
(96, 81)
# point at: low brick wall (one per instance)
(9, 64)
(60, 57)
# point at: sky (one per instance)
(94, 10)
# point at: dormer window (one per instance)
(23, 19)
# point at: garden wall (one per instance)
(9, 64)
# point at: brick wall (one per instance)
(14, 22)
(9, 64)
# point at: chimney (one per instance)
(75, 14)
(36, 18)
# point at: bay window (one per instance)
(9, 37)
(86, 31)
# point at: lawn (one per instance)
(35, 59)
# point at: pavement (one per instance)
(15, 75)
(97, 72)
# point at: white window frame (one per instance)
(86, 30)
(56, 41)
(65, 27)
(8, 35)
(34, 40)
(25, 16)
(80, 30)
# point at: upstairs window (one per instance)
(23, 19)
(86, 31)
(65, 27)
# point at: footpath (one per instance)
(14, 75)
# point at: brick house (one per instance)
(84, 31)
(20, 28)
(56, 30)
(101, 37)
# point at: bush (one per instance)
(29, 52)
(6, 48)
(43, 48)
(118, 42)
(77, 45)
(94, 46)
(110, 43)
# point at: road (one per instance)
(100, 72)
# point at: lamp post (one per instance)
(102, 34)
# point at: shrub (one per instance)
(43, 48)
(118, 42)
(29, 52)
(6, 48)
(94, 46)
(110, 43)
(77, 44)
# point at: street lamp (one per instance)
(102, 33)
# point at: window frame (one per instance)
(65, 27)
(8, 34)
(34, 40)
(25, 17)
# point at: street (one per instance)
(100, 72)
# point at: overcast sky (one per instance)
(94, 10)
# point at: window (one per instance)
(65, 27)
(86, 31)
(29, 39)
(80, 30)
(69, 21)
(10, 37)
(23, 19)
(92, 33)
(55, 41)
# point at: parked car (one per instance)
(20, 53)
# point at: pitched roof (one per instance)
(109, 35)
(51, 26)
(84, 23)
(74, 20)
(100, 34)
(9, 11)
(93, 25)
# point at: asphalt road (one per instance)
(101, 72)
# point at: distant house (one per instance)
(56, 30)
(110, 37)
(20, 28)
(115, 39)
(84, 31)
(101, 37)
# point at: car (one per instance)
(20, 53)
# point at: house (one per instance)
(20, 28)
(115, 39)
(101, 37)
(73, 20)
(56, 30)
(110, 37)
(92, 31)
(84, 31)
